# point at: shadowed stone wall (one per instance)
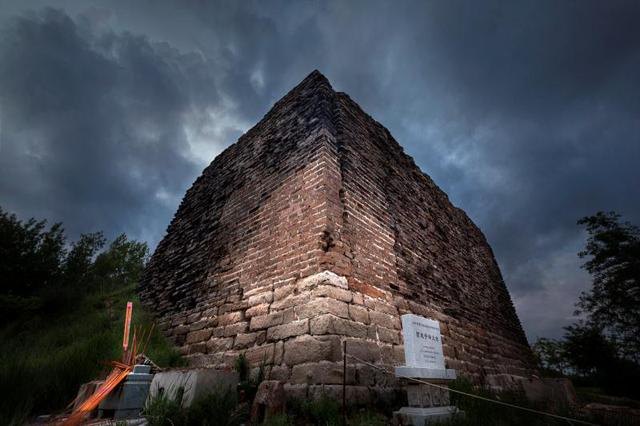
(315, 228)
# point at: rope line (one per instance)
(506, 404)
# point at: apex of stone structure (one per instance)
(315, 80)
(314, 229)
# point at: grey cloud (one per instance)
(92, 124)
(525, 113)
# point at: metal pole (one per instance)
(344, 383)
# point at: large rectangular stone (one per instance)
(181, 329)
(245, 340)
(235, 306)
(296, 392)
(257, 310)
(210, 313)
(291, 301)
(233, 329)
(387, 335)
(306, 349)
(194, 317)
(323, 306)
(259, 355)
(230, 318)
(380, 306)
(325, 277)
(333, 292)
(330, 324)
(257, 290)
(359, 314)
(365, 350)
(199, 336)
(219, 345)
(280, 372)
(199, 347)
(283, 292)
(266, 321)
(266, 297)
(199, 325)
(384, 320)
(356, 395)
(323, 372)
(294, 328)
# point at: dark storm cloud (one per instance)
(93, 124)
(525, 113)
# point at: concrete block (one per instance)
(195, 382)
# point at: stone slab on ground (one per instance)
(195, 382)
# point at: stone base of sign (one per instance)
(426, 373)
(127, 399)
(427, 404)
(420, 395)
(420, 416)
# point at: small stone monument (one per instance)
(424, 361)
(128, 399)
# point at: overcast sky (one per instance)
(526, 113)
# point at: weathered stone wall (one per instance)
(314, 229)
(405, 238)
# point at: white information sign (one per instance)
(422, 342)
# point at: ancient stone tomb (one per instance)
(314, 229)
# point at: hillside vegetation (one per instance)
(62, 308)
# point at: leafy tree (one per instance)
(79, 262)
(30, 256)
(551, 355)
(588, 350)
(121, 264)
(40, 272)
(613, 302)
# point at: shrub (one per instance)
(367, 418)
(217, 408)
(278, 420)
(323, 411)
(165, 409)
(479, 412)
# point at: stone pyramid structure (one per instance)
(316, 228)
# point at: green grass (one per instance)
(44, 359)
(324, 411)
(217, 408)
(478, 412)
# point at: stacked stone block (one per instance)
(314, 229)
